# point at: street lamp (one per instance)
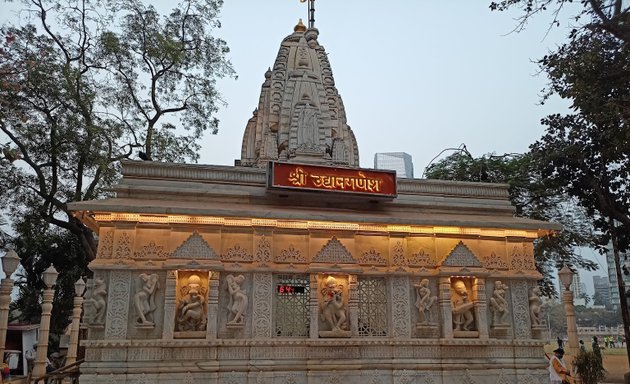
(10, 262)
(566, 278)
(79, 288)
(50, 278)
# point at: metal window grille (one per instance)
(372, 306)
(292, 316)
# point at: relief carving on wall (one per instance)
(521, 259)
(423, 259)
(520, 306)
(461, 256)
(398, 255)
(262, 294)
(333, 308)
(118, 305)
(238, 301)
(151, 251)
(495, 262)
(263, 251)
(290, 255)
(371, 257)
(192, 306)
(401, 307)
(236, 253)
(462, 307)
(499, 305)
(144, 300)
(96, 303)
(334, 252)
(123, 246)
(195, 247)
(106, 246)
(424, 302)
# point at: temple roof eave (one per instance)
(87, 210)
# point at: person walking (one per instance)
(596, 350)
(558, 372)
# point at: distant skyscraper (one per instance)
(395, 161)
(602, 289)
(612, 276)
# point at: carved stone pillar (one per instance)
(401, 307)
(446, 307)
(353, 304)
(262, 304)
(213, 305)
(118, 305)
(170, 305)
(520, 309)
(314, 308)
(481, 307)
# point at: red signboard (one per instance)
(368, 182)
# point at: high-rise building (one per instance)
(612, 276)
(395, 161)
(602, 289)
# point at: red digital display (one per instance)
(289, 289)
(369, 182)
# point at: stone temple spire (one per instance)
(300, 115)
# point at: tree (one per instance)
(585, 152)
(604, 16)
(86, 83)
(532, 198)
(35, 251)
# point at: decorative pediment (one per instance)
(422, 259)
(461, 256)
(290, 255)
(495, 262)
(237, 253)
(151, 251)
(371, 257)
(195, 247)
(334, 252)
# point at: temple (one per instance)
(296, 266)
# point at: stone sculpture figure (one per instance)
(98, 300)
(238, 299)
(462, 309)
(191, 310)
(498, 304)
(424, 301)
(308, 128)
(332, 307)
(535, 306)
(144, 300)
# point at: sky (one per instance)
(415, 76)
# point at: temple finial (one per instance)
(311, 12)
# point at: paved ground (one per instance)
(616, 366)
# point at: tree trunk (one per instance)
(623, 301)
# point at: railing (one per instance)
(69, 373)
